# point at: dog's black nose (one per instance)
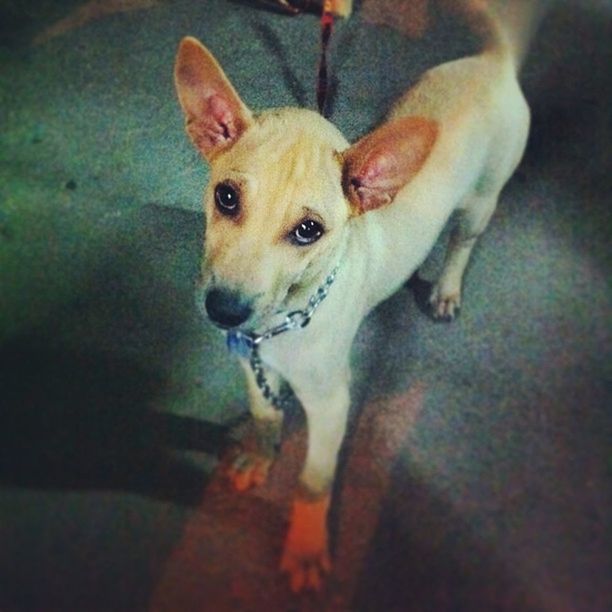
(227, 308)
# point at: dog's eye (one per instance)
(227, 199)
(306, 232)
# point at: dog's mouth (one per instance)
(232, 310)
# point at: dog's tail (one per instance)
(506, 26)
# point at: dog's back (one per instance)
(482, 123)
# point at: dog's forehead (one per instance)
(291, 153)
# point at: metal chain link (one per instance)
(279, 401)
(294, 320)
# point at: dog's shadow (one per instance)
(80, 391)
(425, 552)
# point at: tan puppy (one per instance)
(289, 200)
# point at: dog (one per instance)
(300, 221)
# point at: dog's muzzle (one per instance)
(227, 308)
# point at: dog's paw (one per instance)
(445, 306)
(306, 572)
(306, 556)
(248, 469)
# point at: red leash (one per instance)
(327, 26)
(294, 7)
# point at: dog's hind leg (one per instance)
(475, 214)
(259, 449)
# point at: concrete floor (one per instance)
(477, 472)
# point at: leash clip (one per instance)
(242, 343)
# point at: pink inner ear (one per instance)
(377, 180)
(379, 165)
(215, 115)
(216, 125)
(187, 76)
(369, 197)
(378, 169)
(222, 117)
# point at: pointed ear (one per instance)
(381, 163)
(215, 117)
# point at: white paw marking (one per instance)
(444, 305)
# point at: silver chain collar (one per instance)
(246, 343)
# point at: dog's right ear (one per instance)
(215, 116)
(384, 161)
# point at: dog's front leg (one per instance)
(306, 553)
(257, 453)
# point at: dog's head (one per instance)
(283, 186)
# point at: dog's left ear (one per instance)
(215, 116)
(381, 163)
